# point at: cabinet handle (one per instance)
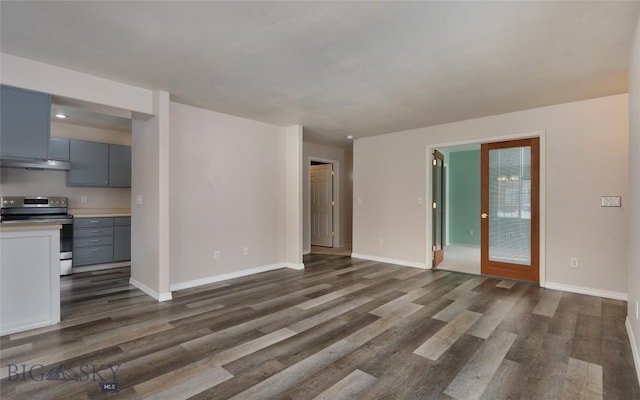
(94, 240)
(95, 221)
(94, 250)
(94, 230)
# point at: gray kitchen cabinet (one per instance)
(59, 149)
(122, 239)
(101, 240)
(87, 222)
(99, 164)
(119, 165)
(92, 255)
(92, 241)
(25, 123)
(89, 163)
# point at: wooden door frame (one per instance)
(336, 197)
(428, 195)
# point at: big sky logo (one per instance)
(105, 375)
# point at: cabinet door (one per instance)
(92, 255)
(121, 243)
(119, 165)
(25, 119)
(89, 164)
(92, 232)
(59, 149)
(88, 222)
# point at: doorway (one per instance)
(322, 203)
(509, 241)
(458, 213)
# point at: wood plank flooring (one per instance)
(340, 329)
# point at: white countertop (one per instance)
(29, 226)
(99, 212)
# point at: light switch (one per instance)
(420, 200)
(139, 200)
(611, 201)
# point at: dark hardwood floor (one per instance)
(340, 329)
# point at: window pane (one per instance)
(510, 205)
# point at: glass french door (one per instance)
(438, 212)
(510, 209)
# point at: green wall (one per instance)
(464, 197)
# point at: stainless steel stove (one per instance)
(34, 209)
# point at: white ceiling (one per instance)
(338, 68)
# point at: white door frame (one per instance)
(543, 231)
(336, 197)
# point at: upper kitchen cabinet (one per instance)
(99, 164)
(59, 149)
(24, 123)
(89, 164)
(119, 165)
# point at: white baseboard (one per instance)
(588, 291)
(390, 261)
(634, 347)
(158, 296)
(293, 266)
(231, 275)
(25, 325)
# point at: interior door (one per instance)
(510, 207)
(438, 211)
(322, 205)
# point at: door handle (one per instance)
(484, 215)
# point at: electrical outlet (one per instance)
(574, 263)
(216, 255)
(84, 199)
(245, 251)
(139, 200)
(470, 232)
(379, 242)
(420, 200)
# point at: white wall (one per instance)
(345, 201)
(25, 182)
(150, 220)
(293, 197)
(227, 179)
(586, 157)
(634, 193)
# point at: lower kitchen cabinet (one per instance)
(122, 239)
(101, 240)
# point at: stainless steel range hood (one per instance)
(35, 164)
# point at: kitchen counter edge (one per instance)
(30, 226)
(97, 213)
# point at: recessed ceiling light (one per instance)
(61, 115)
(350, 137)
